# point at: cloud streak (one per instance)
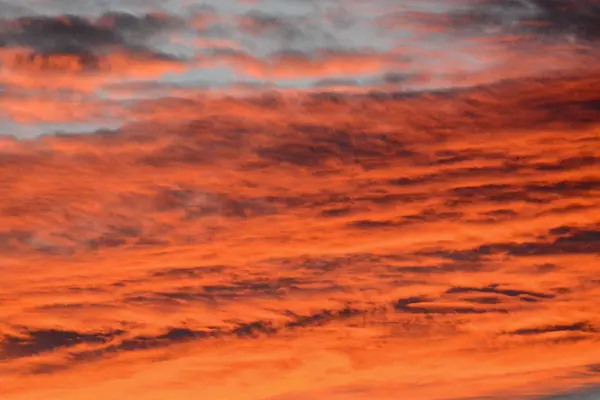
(282, 200)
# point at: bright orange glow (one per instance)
(374, 242)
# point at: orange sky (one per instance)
(297, 244)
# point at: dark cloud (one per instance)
(180, 154)
(336, 82)
(336, 212)
(321, 144)
(484, 300)
(569, 164)
(114, 342)
(441, 309)
(442, 268)
(533, 192)
(402, 304)
(273, 192)
(146, 24)
(143, 342)
(588, 392)
(84, 39)
(575, 327)
(46, 368)
(247, 330)
(75, 306)
(452, 157)
(574, 241)
(323, 317)
(190, 272)
(49, 33)
(565, 209)
(578, 18)
(388, 198)
(495, 289)
(495, 216)
(12, 239)
(411, 305)
(254, 329)
(195, 144)
(236, 290)
(324, 263)
(33, 342)
(396, 78)
(426, 215)
(580, 242)
(372, 224)
(109, 344)
(571, 188)
(456, 174)
(595, 368)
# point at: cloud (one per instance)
(299, 201)
(544, 18)
(506, 292)
(82, 38)
(576, 327)
(39, 341)
(575, 18)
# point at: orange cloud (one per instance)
(23, 69)
(301, 244)
(301, 66)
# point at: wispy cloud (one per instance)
(361, 201)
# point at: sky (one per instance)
(298, 200)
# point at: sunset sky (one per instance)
(299, 199)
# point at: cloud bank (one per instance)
(283, 200)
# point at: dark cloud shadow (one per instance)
(575, 327)
(84, 40)
(39, 341)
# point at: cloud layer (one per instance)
(282, 200)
